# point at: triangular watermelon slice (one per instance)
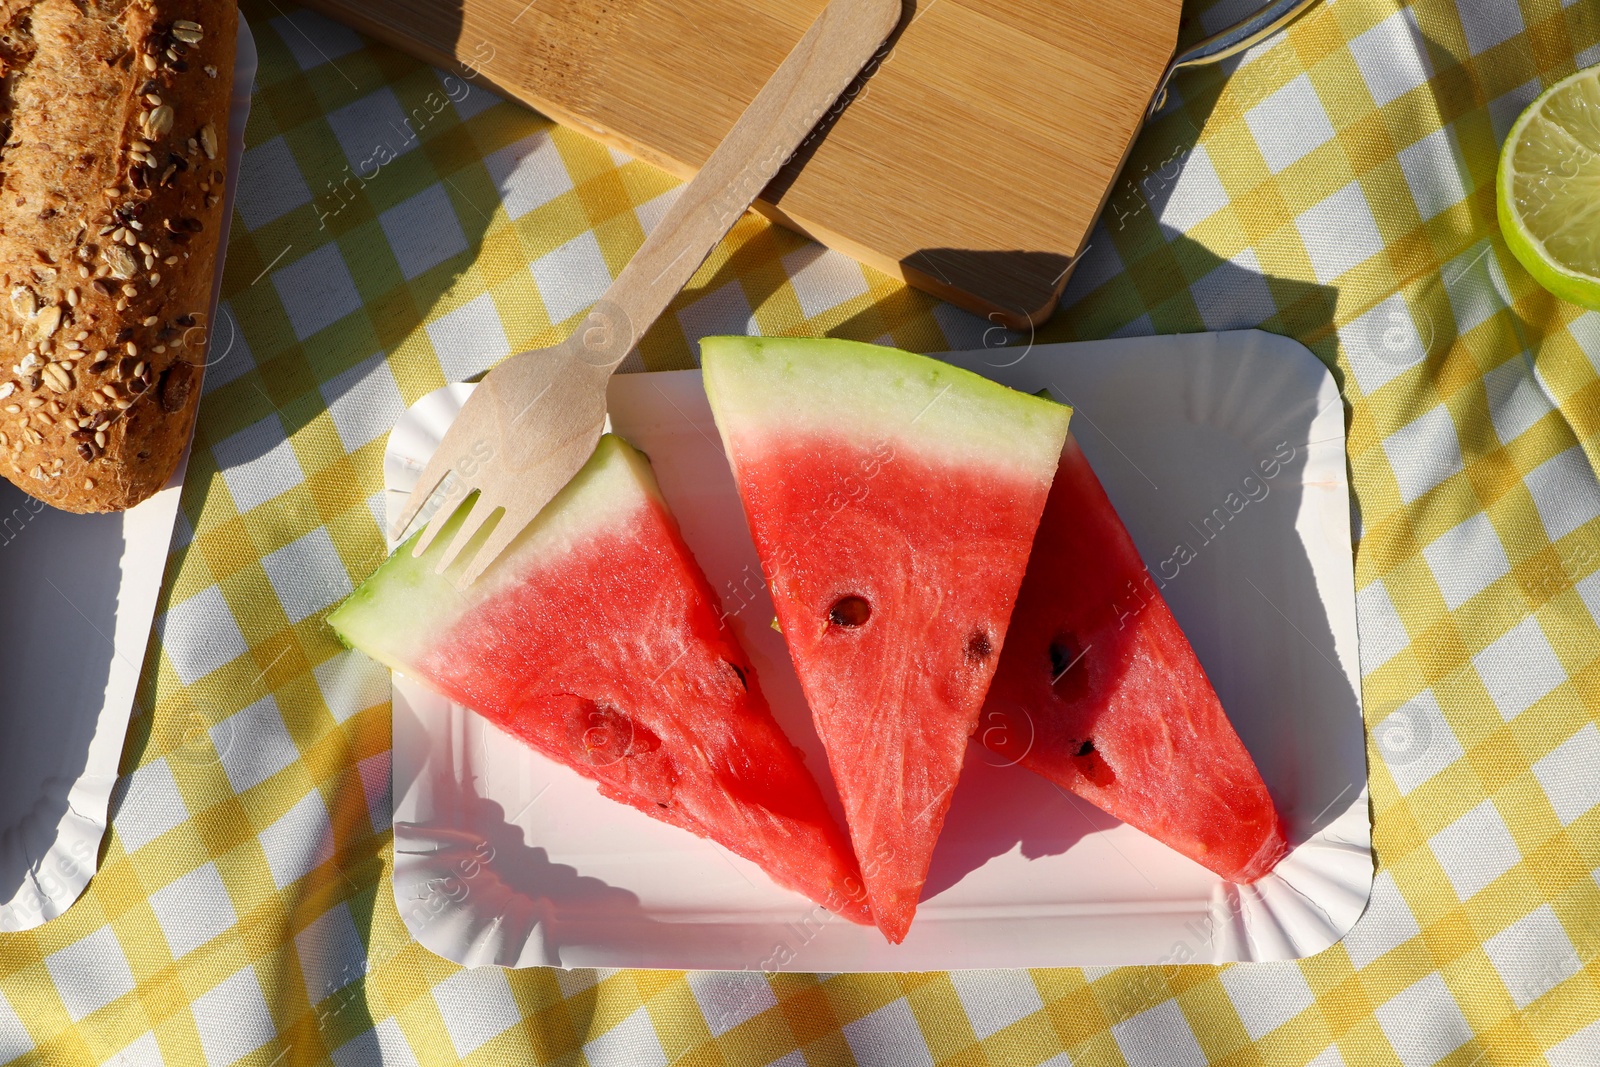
(893, 500)
(1099, 691)
(596, 640)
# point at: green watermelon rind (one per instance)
(616, 480)
(791, 385)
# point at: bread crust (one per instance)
(112, 177)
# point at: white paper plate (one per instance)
(503, 857)
(80, 592)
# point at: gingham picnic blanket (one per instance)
(399, 227)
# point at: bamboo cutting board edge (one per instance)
(1017, 287)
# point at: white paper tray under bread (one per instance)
(503, 857)
(79, 593)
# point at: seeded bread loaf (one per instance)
(115, 116)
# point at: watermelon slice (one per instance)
(893, 500)
(1099, 691)
(596, 640)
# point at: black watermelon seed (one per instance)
(849, 611)
(1069, 673)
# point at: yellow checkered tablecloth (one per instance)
(1336, 185)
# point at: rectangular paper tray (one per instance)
(503, 857)
(79, 593)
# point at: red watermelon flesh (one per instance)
(596, 640)
(1099, 691)
(892, 500)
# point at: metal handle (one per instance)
(1231, 41)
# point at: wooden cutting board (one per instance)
(972, 161)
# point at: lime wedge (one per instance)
(1548, 189)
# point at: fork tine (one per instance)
(439, 521)
(438, 468)
(483, 511)
(511, 524)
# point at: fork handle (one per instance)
(776, 123)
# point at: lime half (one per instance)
(1548, 189)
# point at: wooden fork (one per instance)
(537, 417)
